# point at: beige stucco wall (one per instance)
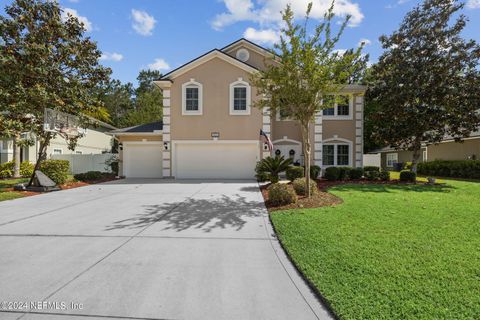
(256, 59)
(122, 138)
(215, 77)
(454, 150)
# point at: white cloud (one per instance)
(74, 1)
(113, 56)
(87, 25)
(143, 23)
(366, 42)
(261, 36)
(340, 52)
(267, 12)
(159, 64)
(473, 4)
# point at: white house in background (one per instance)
(95, 141)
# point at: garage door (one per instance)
(142, 160)
(215, 160)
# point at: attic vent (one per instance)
(243, 55)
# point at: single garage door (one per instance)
(142, 160)
(215, 160)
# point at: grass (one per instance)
(391, 251)
(6, 184)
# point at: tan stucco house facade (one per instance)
(448, 149)
(210, 129)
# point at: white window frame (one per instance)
(391, 157)
(243, 84)
(335, 142)
(335, 116)
(192, 84)
(57, 149)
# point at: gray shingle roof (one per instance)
(142, 128)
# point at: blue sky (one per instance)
(163, 34)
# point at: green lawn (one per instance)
(9, 183)
(392, 251)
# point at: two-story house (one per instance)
(210, 128)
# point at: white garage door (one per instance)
(142, 160)
(215, 160)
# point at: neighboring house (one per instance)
(448, 149)
(210, 128)
(96, 140)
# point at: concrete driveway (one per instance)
(147, 249)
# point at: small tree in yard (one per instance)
(45, 62)
(308, 72)
(426, 82)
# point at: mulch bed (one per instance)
(323, 198)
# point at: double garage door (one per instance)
(198, 160)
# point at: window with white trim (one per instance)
(391, 159)
(343, 108)
(57, 151)
(336, 154)
(240, 97)
(192, 98)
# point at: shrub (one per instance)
(356, 173)
(299, 185)
(315, 172)
(407, 165)
(408, 176)
(273, 166)
(26, 168)
(467, 169)
(371, 168)
(344, 173)
(372, 175)
(262, 177)
(293, 173)
(7, 166)
(332, 173)
(384, 176)
(279, 194)
(6, 173)
(89, 176)
(57, 170)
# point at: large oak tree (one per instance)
(426, 82)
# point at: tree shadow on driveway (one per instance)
(203, 214)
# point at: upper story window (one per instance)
(342, 110)
(240, 97)
(192, 98)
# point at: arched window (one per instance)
(240, 97)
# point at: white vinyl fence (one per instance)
(372, 160)
(80, 163)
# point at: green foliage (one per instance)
(344, 173)
(57, 170)
(418, 241)
(408, 165)
(426, 82)
(384, 176)
(300, 186)
(408, 176)
(332, 173)
(262, 176)
(294, 172)
(26, 169)
(279, 194)
(356, 173)
(92, 176)
(309, 72)
(112, 164)
(6, 173)
(371, 175)
(117, 99)
(467, 169)
(273, 166)
(315, 172)
(371, 168)
(7, 166)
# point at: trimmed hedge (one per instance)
(89, 176)
(371, 168)
(57, 170)
(356, 173)
(408, 176)
(279, 194)
(384, 176)
(332, 173)
(467, 169)
(293, 173)
(372, 175)
(300, 185)
(344, 173)
(315, 172)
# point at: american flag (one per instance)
(269, 142)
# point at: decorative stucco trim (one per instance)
(317, 140)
